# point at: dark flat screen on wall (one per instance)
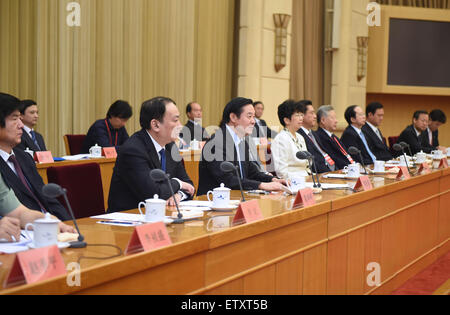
(419, 53)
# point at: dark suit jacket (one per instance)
(27, 142)
(321, 165)
(98, 134)
(330, 147)
(378, 147)
(351, 139)
(221, 148)
(416, 143)
(191, 131)
(426, 141)
(262, 131)
(131, 182)
(22, 193)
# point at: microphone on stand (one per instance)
(159, 176)
(54, 191)
(398, 147)
(405, 145)
(354, 151)
(305, 155)
(228, 167)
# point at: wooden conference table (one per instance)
(403, 226)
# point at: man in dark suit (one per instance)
(374, 116)
(17, 167)
(431, 136)
(193, 128)
(354, 137)
(109, 131)
(31, 139)
(228, 144)
(326, 118)
(150, 148)
(323, 161)
(415, 133)
(261, 130)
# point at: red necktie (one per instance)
(343, 150)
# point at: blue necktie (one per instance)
(162, 153)
(373, 157)
(33, 137)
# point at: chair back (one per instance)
(74, 144)
(83, 183)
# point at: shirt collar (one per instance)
(158, 147)
(306, 130)
(5, 156)
(27, 129)
(234, 135)
(372, 126)
(417, 132)
(358, 131)
(327, 132)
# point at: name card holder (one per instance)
(363, 184)
(109, 152)
(403, 173)
(247, 212)
(43, 157)
(424, 168)
(304, 197)
(148, 237)
(443, 164)
(35, 265)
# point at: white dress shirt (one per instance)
(284, 148)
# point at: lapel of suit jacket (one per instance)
(29, 143)
(153, 156)
(13, 179)
(230, 152)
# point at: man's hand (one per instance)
(281, 181)
(273, 186)
(64, 228)
(188, 188)
(9, 228)
(171, 202)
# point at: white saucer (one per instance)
(229, 208)
(61, 245)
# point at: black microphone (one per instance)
(228, 167)
(305, 155)
(354, 151)
(160, 176)
(398, 147)
(405, 145)
(54, 191)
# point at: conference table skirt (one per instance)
(347, 243)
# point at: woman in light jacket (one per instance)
(288, 142)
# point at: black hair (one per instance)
(289, 108)
(235, 106)
(350, 113)
(189, 107)
(8, 105)
(25, 104)
(154, 108)
(373, 107)
(418, 113)
(438, 115)
(120, 109)
(257, 103)
(305, 104)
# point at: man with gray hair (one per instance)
(327, 121)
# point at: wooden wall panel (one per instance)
(315, 271)
(337, 266)
(356, 268)
(260, 282)
(289, 276)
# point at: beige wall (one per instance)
(257, 78)
(346, 90)
(131, 50)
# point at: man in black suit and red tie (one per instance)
(375, 139)
(326, 118)
(415, 134)
(31, 139)
(18, 167)
(150, 148)
(431, 136)
(324, 162)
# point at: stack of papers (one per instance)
(17, 247)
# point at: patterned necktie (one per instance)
(349, 158)
(33, 137)
(162, 153)
(330, 162)
(24, 181)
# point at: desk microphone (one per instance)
(159, 176)
(54, 191)
(305, 155)
(398, 147)
(354, 151)
(228, 167)
(405, 145)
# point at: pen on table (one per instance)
(119, 222)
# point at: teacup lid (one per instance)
(222, 188)
(155, 199)
(47, 219)
(96, 146)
